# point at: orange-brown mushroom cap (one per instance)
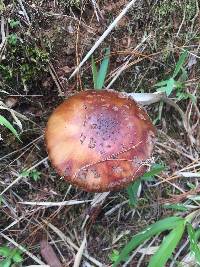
(99, 140)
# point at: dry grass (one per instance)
(52, 39)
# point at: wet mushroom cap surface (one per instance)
(99, 140)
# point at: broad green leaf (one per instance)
(5, 263)
(33, 174)
(12, 39)
(192, 97)
(17, 257)
(25, 173)
(154, 229)
(114, 256)
(178, 207)
(5, 251)
(185, 95)
(191, 185)
(14, 23)
(170, 86)
(180, 63)
(184, 75)
(132, 190)
(178, 85)
(167, 87)
(155, 169)
(193, 242)
(94, 72)
(103, 70)
(168, 245)
(8, 125)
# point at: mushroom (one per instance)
(100, 140)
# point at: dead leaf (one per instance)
(66, 69)
(11, 101)
(49, 254)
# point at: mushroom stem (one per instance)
(147, 98)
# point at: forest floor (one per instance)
(41, 44)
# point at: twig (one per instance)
(98, 200)
(79, 83)
(119, 71)
(55, 204)
(69, 241)
(195, 16)
(179, 152)
(174, 105)
(174, 261)
(127, 263)
(145, 251)
(79, 254)
(179, 29)
(56, 79)
(23, 249)
(150, 98)
(3, 37)
(24, 11)
(29, 144)
(21, 176)
(104, 35)
(12, 224)
(116, 207)
(189, 52)
(90, 29)
(96, 10)
(12, 111)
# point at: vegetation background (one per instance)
(155, 46)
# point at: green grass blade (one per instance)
(5, 251)
(193, 242)
(103, 70)
(8, 125)
(197, 234)
(156, 228)
(132, 190)
(94, 72)
(167, 247)
(161, 83)
(177, 207)
(155, 169)
(161, 89)
(180, 63)
(5, 263)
